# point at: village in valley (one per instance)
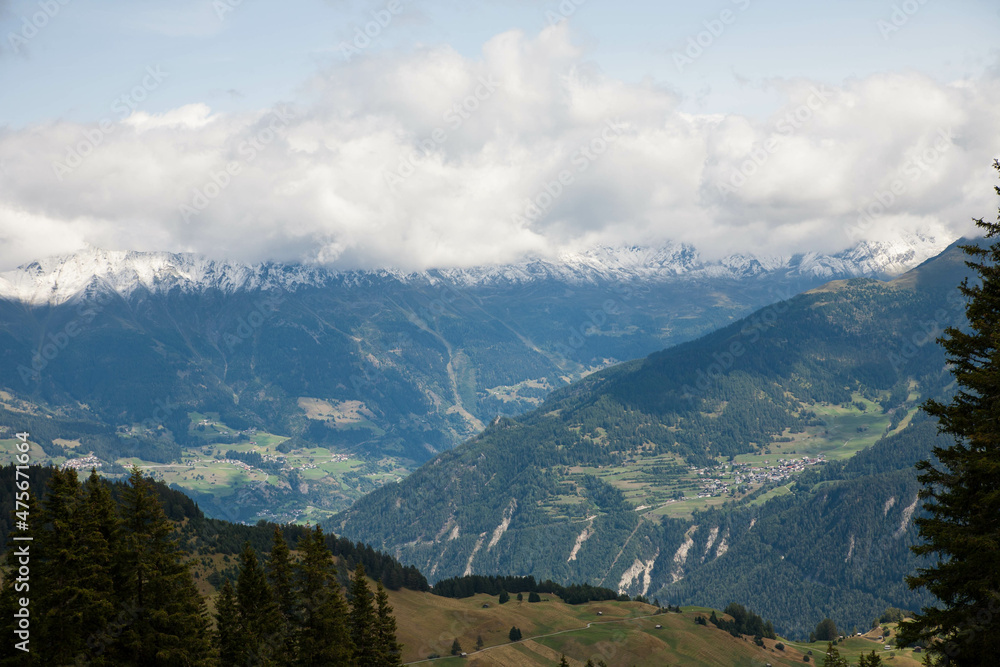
(716, 484)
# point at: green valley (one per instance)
(657, 476)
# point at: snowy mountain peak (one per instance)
(57, 280)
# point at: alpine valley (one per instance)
(765, 444)
(770, 462)
(286, 392)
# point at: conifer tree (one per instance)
(280, 574)
(56, 572)
(389, 650)
(169, 625)
(258, 611)
(71, 574)
(364, 625)
(101, 514)
(963, 529)
(229, 634)
(833, 658)
(100, 578)
(323, 637)
(870, 660)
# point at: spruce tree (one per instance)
(364, 626)
(961, 489)
(229, 634)
(833, 658)
(323, 636)
(100, 549)
(390, 652)
(280, 575)
(168, 624)
(56, 572)
(258, 611)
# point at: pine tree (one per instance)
(229, 634)
(258, 611)
(168, 624)
(456, 648)
(280, 574)
(59, 627)
(963, 529)
(833, 658)
(563, 663)
(364, 629)
(101, 576)
(389, 650)
(323, 636)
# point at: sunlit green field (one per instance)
(663, 485)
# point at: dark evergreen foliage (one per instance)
(826, 631)
(112, 586)
(259, 614)
(961, 494)
(464, 587)
(744, 622)
(323, 633)
(389, 650)
(363, 621)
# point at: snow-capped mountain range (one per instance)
(57, 280)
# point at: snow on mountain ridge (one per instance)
(57, 280)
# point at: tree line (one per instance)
(111, 584)
(464, 587)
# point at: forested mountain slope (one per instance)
(567, 491)
(341, 381)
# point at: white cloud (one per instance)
(190, 116)
(313, 184)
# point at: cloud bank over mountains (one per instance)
(432, 159)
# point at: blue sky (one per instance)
(256, 53)
(225, 66)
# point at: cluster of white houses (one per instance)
(748, 473)
(83, 463)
